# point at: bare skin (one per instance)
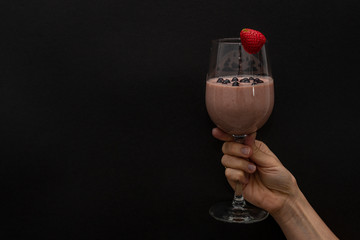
(270, 186)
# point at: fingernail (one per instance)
(245, 150)
(251, 167)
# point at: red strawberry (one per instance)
(252, 40)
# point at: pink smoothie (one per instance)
(241, 109)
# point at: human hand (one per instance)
(266, 182)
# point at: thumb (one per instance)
(261, 154)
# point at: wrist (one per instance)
(293, 205)
(289, 198)
(298, 219)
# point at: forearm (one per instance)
(298, 220)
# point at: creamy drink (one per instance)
(240, 104)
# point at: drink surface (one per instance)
(241, 105)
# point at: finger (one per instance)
(237, 163)
(221, 135)
(234, 175)
(236, 149)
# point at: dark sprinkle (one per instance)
(254, 83)
(226, 81)
(251, 78)
(235, 79)
(220, 80)
(258, 80)
(245, 80)
(235, 84)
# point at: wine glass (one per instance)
(239, 100)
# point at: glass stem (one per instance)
(238, 200)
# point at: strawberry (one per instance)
(252, 40)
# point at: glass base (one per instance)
(227, 213)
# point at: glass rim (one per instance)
(227, 40)
(230, 40)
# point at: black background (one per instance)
(104, 129)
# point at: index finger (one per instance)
(221, 135)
